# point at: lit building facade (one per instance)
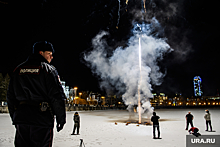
(197, 81)
(178, 100)
(65, 88)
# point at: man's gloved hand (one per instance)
(59, 127)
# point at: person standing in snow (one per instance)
(155, 121)
(208, 120)
(34, 97)
(189, 120)
(76, 120)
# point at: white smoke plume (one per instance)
(121, 69)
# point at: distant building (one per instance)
(159, 100)
(197, 81)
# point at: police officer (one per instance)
(34, 96)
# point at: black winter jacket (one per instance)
(189, 117)
(154, 119)
(76, 118)
(33, 82)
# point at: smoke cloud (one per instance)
(121, 70)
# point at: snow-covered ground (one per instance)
(98, 129)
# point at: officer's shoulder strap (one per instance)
(49, 68)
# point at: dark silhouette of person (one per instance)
(76, 120)
(155, 121)
(189, 120)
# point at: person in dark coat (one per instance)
(155, 121)
(34, 97)
(76, 120)
(189, 120)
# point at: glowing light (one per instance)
(126, 2)
(197, 86)
(75, 89)
(139, 95)
(118, 14)
(144, 6)
(140, 53)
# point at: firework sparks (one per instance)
(118, 14)
(126, 2)
(139, 95)
(144, 6)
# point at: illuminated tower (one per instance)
(197, 86)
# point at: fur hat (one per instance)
(42, 46)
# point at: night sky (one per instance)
(190, 26)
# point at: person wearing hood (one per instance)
(155, 121)
(34, 97)
(208, 120)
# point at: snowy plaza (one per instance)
(107, 128)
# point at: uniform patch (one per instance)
(29, 70)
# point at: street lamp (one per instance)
(75, 89)
(103, 100)
(80, 95)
